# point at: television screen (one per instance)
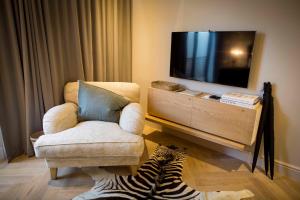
(222, 57)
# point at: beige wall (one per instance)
(276, 59)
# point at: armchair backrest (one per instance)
(129, 90)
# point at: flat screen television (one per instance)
(222, 57)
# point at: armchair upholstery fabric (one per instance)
(92, 143)
(89, 139)
(60, 118)
(132, 118)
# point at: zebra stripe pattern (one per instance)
(158, 178)
(140, 186)
(170, 184)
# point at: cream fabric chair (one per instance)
(67, 143)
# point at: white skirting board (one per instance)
(281, 168)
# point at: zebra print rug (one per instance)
(158, 178)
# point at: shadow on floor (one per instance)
(196, 151)
(71, 176)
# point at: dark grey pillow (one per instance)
(95, 103)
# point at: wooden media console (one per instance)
(225, 124)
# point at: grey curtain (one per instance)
(46, 43)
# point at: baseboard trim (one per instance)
(287, 165)
(280, 169)
(287, 169)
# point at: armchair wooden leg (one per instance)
(53, 173)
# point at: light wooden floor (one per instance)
(204, 169)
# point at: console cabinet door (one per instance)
(228, 121)
(169, 105)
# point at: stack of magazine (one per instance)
(239, 99)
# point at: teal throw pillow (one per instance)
(95, 103)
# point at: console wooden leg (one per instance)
(53, 173)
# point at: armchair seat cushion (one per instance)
(90, 139)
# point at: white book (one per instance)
(241, 101)
(239, 104)
(242, 98)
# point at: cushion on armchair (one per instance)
(95, 103)
(90, 139)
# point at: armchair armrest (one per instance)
(60, 118)
(132, 118)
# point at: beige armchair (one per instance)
(67, 143)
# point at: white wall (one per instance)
(276, 59)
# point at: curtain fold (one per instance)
(46, 43)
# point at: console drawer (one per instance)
(228, 121)
(170, 105)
